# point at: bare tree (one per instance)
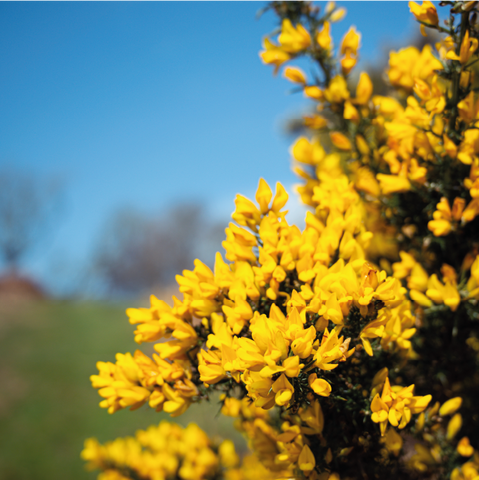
(27, 207)
(137, 252)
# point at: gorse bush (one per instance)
(350, 349)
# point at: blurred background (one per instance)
(126, 130)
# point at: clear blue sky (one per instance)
(144, 104)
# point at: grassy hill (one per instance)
(48, 350)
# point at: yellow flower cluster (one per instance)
(419, 141)
(396, 404)
(411, 159)
(291, 325)
(136, 379)
(427, 290)
(291, 41)
(409, 64)
(413, 138)
(410, 136)
(430, 452)
(309, 303)
(251, 469)
(311, 284)
(162, 452)
(287, 449)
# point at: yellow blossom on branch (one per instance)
(424, 13)
(396, 406)
(291, 323)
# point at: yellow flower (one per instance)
(337, 90)
(239, 244)
(293, 39)
(472, 183)
(424, 13)
(468, 47)
(454, 426)
(444, 46)
(473, 282)
(471, 211)
(186, 338)
(396, 406)
(439, 227)
(349, 48)
(469, 146)
(323, 37)
(306, 460)
(408, 64)
(364, 90)
(418, 278)
(292, 367)
(440, 293)
(365, 181)
(350, 112)
(246, 213)
(423, 458)
(210, 367)
(150, 326)
(445, 218)
(228, 456)
(314, 418)
(340, 141)
(295, 75)
(362, 145)
(378, 381)
(121, 384)
(313, 92)
(393, 441)
(403, 268)
(464, 448)
(309, 153)
(315, 122)
(430, 94)
(393, 183)
(273, 54)
(387, 106)
(350, 42)
(319, 385)
(263, 196)
(450, 147)
(303, 343)
(451, 406)
(420, 298)
(338, 14)
(163, 451)
(332, 349)
(283, 390)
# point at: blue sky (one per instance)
(146, 104)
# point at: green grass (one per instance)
(47, 405)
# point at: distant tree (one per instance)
(137, 251)
(28, 205)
